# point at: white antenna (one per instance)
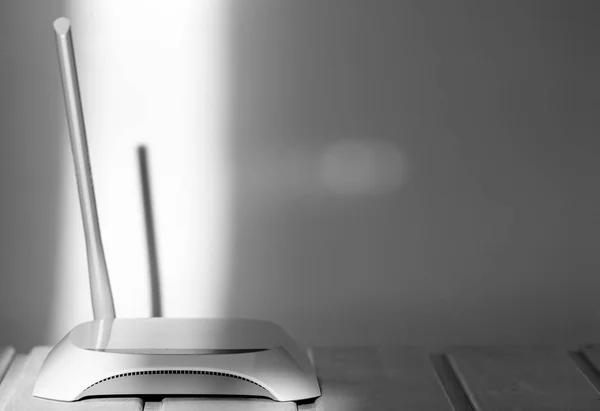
(102, 300)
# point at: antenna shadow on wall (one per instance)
(153, 266)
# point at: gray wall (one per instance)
(493, 237)
(30, 153)
(490, 234)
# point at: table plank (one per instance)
(6, 356)
(591, 353)
(370, 378)
(349, 378)
(452, 386)
(411, 380)
(587, 366)
(17, 386)
(219, 404)
(540, 378)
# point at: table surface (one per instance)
(515, 378)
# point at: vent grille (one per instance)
(175, 372)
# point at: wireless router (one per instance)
(158, 356)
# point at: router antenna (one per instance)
(102, 300)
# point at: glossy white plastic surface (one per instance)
(164, 356)
(102, 299)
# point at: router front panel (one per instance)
(100, 358)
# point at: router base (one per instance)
(165, 356)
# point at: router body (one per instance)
(167, 356)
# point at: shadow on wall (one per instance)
(31, 124)
(416, 173)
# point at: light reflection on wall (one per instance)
(150, 73)
(363, 167)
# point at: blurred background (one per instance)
(360, 172)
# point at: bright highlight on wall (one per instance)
(151, 73)
(362, 167)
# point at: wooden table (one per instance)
(532, 378)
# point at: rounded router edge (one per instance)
(187, 356)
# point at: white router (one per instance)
(158, 356)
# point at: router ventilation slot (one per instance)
(170, 372)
